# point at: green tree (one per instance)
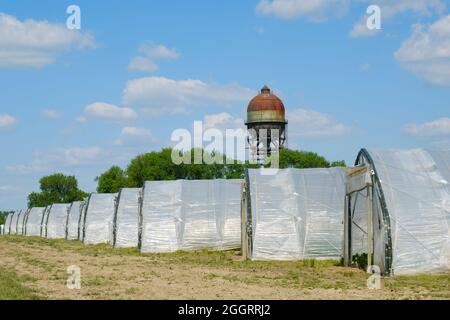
(340, 163)
(152, 166)
(158, 165)
(3, 215)
(301, 159)
(56, 188)
(223, 168)
(112, 180)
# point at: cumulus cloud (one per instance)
(34, 44)
(319, 10)
(163, 110)
(51, 114)
(315, 10)
(434, 128)
(392, 8)
(7, 121)
(427, 52)
(134, 135)
(149, 55)
(223, 121)
(44, 161)
(232, 145)
(78, 156)
(107, 112)
(314, 124)
(159, 95)
(360, 29)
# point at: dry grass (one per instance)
(38, 266)
(12, 288)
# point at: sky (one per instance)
(79, 101)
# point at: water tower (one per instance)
(267, 125)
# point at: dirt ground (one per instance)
(108, 273)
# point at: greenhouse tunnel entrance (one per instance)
(367, 240)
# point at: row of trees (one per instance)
(158, 165)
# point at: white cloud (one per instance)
(315, 10)
(320, 10)
(50, 160)
(134, 135)
(150, 54)
(107, 112)
(360, 29)
(7, 121)
(51, 114)
(314, 124)
(433, 128)
(142, 64)
(24, 169)
(159, 95)
(222, 122)
(427, 52)
(156, 112)
(159, 52)
(392, 8)
(34, 44)
(78, 156)
(6, 189)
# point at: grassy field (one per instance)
(35, 268)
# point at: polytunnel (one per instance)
(57, 221)
(44, 221)
(126, 220)
(73, 220)
(401, 219)
(14, 222)
(191, 215)
(8, 223)
(21, 223)
(33, 222)
(81, 221)
(294, 214)
(99, 218)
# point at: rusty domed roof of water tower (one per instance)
(266, 107)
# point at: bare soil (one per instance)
(108, 273)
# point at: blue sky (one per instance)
(80, 101)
